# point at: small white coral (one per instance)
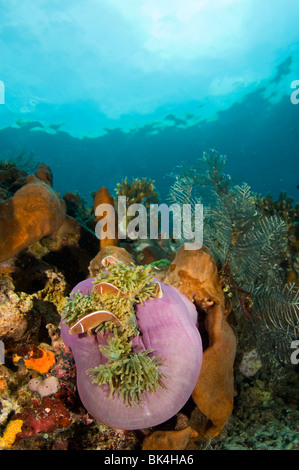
(44, 387)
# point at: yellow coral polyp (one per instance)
(10, 433)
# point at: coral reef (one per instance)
(150, 251)
(78, 208)
(44, 173)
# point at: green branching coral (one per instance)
(127, 373)
(250, 246)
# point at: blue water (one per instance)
(97, 97)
